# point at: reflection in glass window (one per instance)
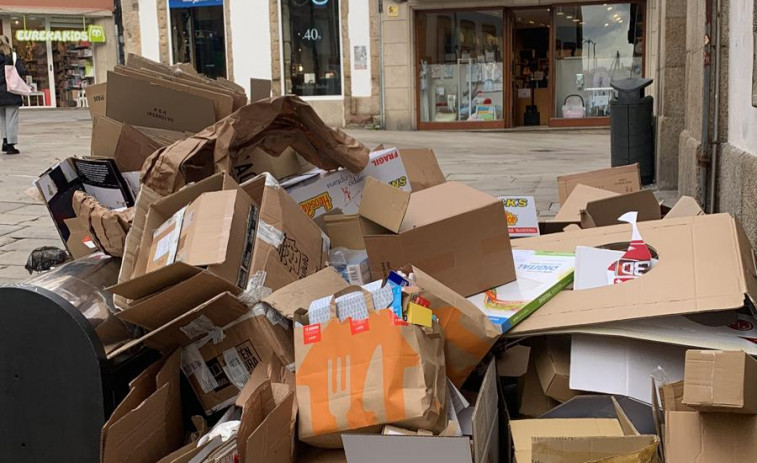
(312, 56)
(595, 45)
(197, 37)
(460, 66)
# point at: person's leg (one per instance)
(3, 130)
(11, 127)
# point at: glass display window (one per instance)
(311, 47)
(198, 35)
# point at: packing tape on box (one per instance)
(273, 316)
(203, 326)
(234, 368)
(270, 234)
(270, 181)
(193, 364)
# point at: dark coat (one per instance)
(6, 98)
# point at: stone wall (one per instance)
(669, 72)
(131, 33)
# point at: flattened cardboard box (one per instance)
(552, 362)
(484, 447)
(706, 264)
(604, 212)
(141, 103)
(147, 425)
(720, 381)
(621, 180)
(455, 233)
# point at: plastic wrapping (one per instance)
(82, 283)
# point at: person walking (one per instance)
(9, 102)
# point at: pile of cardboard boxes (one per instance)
(311, 301)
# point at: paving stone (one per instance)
(28, 245)
(13, 274)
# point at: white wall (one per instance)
(148, 29)
(358, 22)
(742, 117)
(251, 40)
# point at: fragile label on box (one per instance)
(521, 216)
(341, 190)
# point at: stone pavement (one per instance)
(522, 163)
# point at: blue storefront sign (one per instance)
(193, 3)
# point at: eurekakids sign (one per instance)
(95, 34)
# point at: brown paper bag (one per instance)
(272, 125)
(107, 228)
(358, 374)
(468, 333)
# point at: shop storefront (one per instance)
(61, 48)
(536, 66)
(198, 35)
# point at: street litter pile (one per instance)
(284, 294)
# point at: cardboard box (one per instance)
(340, 191)
(96, 99)
(720, 381)
(147, 425)
(604, 212)
(686, 282)
(710, 437)
(685, 207)
(552, 362)
(286, 164)
(345, 231)
(216, 231)
(137, 102)
(453, 232)
(100, 178)
(533, 402)
(484, 446)
(580, 196)
(422, 168)
(514, 361)
(105, 134)
(621, 180)
(260, 89)
(555, 439)
(301, 293)
(613, 365)
(281, 241)
(671, 398)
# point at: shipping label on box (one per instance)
(521, 215)
(341, 190)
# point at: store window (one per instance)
(460, 66)
(595, 45)
(58, 54)
(311, 48)
(198, 35)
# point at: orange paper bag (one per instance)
(358, 374)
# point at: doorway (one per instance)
(198, 35)
(530, 78)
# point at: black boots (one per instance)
(9, 148)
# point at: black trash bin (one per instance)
(632, 127)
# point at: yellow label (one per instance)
(313, 204)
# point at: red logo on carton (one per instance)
(359, 326)
(311, 334)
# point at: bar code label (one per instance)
(353, 275)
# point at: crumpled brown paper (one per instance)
(272, 125)
(107, 228)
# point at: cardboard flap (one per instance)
(485, 419)
(422, 168)
(577, 201)
(302, 292)
(155, 311)
(685, 207)
(153, 282)
(605, 212)
(384, 204)
(96, 98)
(272, 440)
(215, 313)
(621, 180)
(449, 199)
(366, 448)
(632, 449)
(685, 281)
(344, 231)
(524, 431)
